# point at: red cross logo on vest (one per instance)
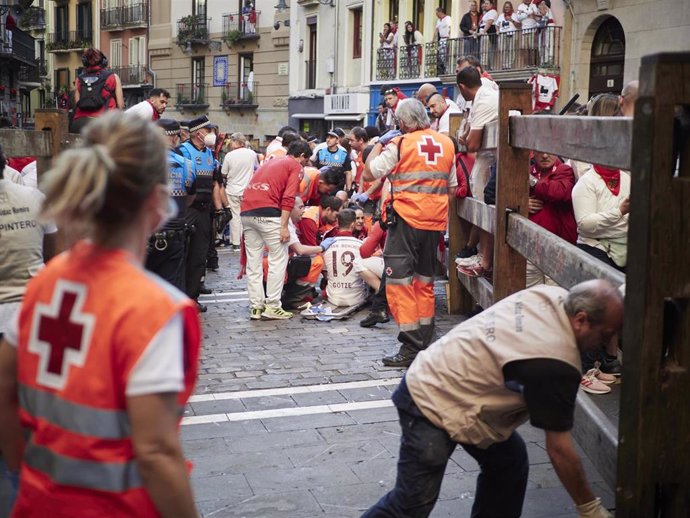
(61, 334)
(430, 148)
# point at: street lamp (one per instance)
(276, 25)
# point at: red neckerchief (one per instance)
(156, 115)
(611, 177)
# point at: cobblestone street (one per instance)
(294, 419)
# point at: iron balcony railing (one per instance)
(192, 29)
(34, 18)
(28, 74)
(310, 66)
(241, 26)
(517, 50)
(240, 95)
(125, 16)
(17, 44)
(192, 94)
(131, 75)
(69, 40)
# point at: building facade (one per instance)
(225, 59)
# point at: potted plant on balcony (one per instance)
(233, 36)
(190, 28)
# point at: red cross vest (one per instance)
(419, 181)
(86, 320)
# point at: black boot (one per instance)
(375, 317)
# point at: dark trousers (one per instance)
(410, 260)
(424, 453)
(197, 249)
(212, 255)
(601, 255)
(169, 264)
(379, 302)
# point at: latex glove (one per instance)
(361, 197)
(388, 136)
(326, 243)
(593, 509)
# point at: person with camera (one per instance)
(420, 165)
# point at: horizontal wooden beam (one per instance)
(595, 140)
(480, 289)
(490, 136)
(25, 143)
(478, 213)
(564, 263)
(597, 435)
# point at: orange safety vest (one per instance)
(86, 320)
(419, 180)
(314, 213)
(309, 185)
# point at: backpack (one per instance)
(91, 84)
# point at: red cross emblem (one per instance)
(430, 148)
(61, 334)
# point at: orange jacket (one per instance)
(86, 320)
(309, 186)
(420, 179)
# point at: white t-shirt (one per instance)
(30, 175)
(14, 176)
(292, 230)
(238, 167)
(143, 110)
(488, 15)
(505, 24)
(443, 26)
(444, 121)
(523, 13)
(345, 286)
(21, 238)
(484, 110)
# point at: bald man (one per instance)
(628, 97)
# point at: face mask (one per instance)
(210, 140)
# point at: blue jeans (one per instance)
(424, 453)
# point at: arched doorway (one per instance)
(607, 59)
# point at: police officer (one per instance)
(198, 212)
(420, 165)
(167, 247)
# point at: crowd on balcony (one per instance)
(524, 37)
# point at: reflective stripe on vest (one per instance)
(76, 418)
(425, 189)
(115, 477)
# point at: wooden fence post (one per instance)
(654, 430)
(459, 299)
(512, 191)
(57, 122)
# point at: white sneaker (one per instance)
(271, 313)
(469, 261)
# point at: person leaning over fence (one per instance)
(151, 109)
(517, 360)
(420, 165)
(102, 354)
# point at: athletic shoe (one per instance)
(611, 366)
(469, 261)
(271, 313)
(203, 290)
(474, 270)
(255, 313)
(466, 252)
(592, 385)
(397, 360)
(302, 306)
(608, 379)
(375, 317)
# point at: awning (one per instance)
(346, 117)
(307, 115)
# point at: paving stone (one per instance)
(330, 397)
(227, 463)
(227, 429)
(287, 439)
(350, 453)
(307, 421)
(367, 394)
(347, 501)
(374, 415)
(268, 402)
(383, 431)
(293, 504)
(217, 407)
(300, 478)
(220, 487)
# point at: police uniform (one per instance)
(167, 248)
(198, 213)
(422, 169)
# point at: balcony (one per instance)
(125, 17)
(192, 96)
(134, 75)
(508, 55)
(191, 30)
(241, 26)
(69, 40)
(17, 44)
(240, 96)
(34, 19)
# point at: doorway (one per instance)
(607, 61)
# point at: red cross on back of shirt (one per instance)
(61, 333)
(431, 149)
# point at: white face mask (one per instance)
(210, 140)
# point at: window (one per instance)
(116, 53)
(311, 62)
(418, 15)
(84, 21)
(198, 71)
(393, 10)
(61, 21)
(357, 33)
(199, 8)
(137, 51)
(246, 66)
(62, 80)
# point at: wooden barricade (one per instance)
(651, 467)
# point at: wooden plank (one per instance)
(596, 434)
(480, 288)
(490, 136)
(653, 466)
(478, 213)
(564, 263)
(595, 140)
(512, 191)
(56, 122)
(17, 143)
